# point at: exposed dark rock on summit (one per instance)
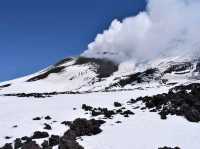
(46, 74)
(104, 67)
(63, 61)
(138, 77)
(4, 86)
(179, 67)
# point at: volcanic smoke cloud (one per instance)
(166, 28)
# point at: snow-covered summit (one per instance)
(83, 74)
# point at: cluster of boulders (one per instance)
(180, 101)
(77, 128)
(108, 113)
(39, 118)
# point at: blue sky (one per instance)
(37, 33)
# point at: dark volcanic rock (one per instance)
(84, 127)
(180, 100)
(31, 145)
(15, 126)
(179, 67)
(99, 111)
(169, 147)
(47, 117)
(118, 122)
(69, 144)
(127, 113)
(17, 143)
(7, 146)
(47, 126)
(138, 77)
(4, 86)
(47, 73)
(36, 95)
(66, 123)
(45, 145)
(197, 67)
(108, 113)
(54, 140)
(117, 104)
(40, 135)
(8, 137)
(192, 115)
(37, 118)
(63, 61)
(27, 139)
(79, 127)
(104, 67)
(86, 107)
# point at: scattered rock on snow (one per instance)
(54, 140)
(169, 148)
(7, 146)
(47, 117)
(30, 145)
(39, 135)
(37, 118)
(47, 126)
(117, 104)
(17, 143)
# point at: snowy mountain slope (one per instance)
(144, 130)
(110, 93)
(136, 86)
(60, 108)
(90, 74)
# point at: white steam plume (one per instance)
(167, 27)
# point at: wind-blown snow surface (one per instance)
(143, 130)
